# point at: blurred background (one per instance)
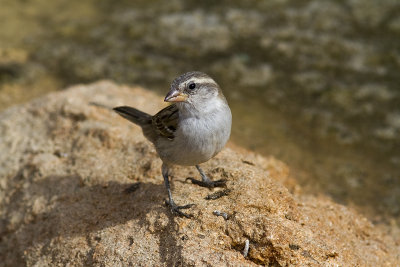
(313, 83)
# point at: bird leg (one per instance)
(170, 202)
(205, 181)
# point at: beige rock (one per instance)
(66, 197)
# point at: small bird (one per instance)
(190, 131)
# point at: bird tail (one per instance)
(136, 116)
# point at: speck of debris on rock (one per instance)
(294, 247)
(132, 188)
(246, 248)
(130, 241)
(248, 162)
(222, 214)
(218, 194)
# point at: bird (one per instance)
(190, 131)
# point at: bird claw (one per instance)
(177, 209)
(209, 183)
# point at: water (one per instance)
(314, 83)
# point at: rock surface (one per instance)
(323, 76)
(81, 186)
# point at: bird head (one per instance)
(193, 88)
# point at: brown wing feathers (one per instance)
(166, 121)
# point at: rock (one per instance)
(81, 186)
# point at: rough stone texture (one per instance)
(66, 168)
(323, 75)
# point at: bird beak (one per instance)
(175, 96)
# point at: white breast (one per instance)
(199, 137)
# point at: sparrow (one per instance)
(190, 131)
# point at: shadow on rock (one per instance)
(57, 208)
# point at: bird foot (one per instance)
(208, 183)
(177, 209)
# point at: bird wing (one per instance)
(165, 122)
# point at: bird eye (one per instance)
(192, 86)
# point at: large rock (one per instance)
(68, 196)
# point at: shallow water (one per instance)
(315, 83)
